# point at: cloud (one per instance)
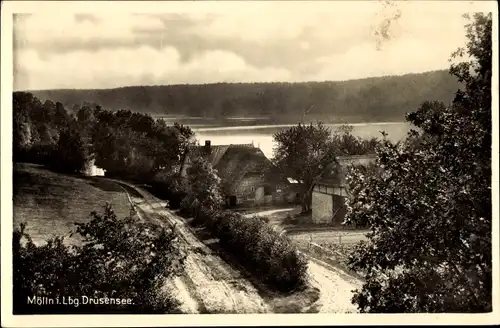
(40, 29)
(412, 43)
(251, 42)
(398, 58)
(108, 68)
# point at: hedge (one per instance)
(261, 250)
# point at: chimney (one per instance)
(207, 146)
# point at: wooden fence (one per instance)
(330, 256)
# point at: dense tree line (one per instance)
(428, 204)
(125, 144)
(372, 99)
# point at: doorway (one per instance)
(232, 201)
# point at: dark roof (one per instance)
(233, 162)
(334, 174)
(215, 154)
(239, 161)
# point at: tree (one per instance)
(21, 133)
(118, 258)
(429, 209)
(72, 154)
(61, 116)
(169, 184)
(85, 114)
(303, 152)
(204, 197)
(347, 144)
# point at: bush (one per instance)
(189, 206)
(290, 219)
(272, 257)
(171, 187)
(124, 259)
(203, 191)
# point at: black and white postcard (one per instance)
(225, 162)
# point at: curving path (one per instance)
(336, 287)
(209, 285)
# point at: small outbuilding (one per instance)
(330, 191)
(92, 170)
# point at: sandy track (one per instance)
(271, 212)
(336, 287)
(209, 282)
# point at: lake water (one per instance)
(262, 135)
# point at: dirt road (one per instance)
(209, 285)
(271, 212)
(334, 236)
(336, 287)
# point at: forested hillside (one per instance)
(373, 99)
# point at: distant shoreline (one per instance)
(207, 128)
(239, 123)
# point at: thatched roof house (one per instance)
(243, 169)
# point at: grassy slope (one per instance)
(51, 203)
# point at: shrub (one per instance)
(203, 198)
(273, 258)
(189, 206)
(171, 187)
(290, 219)
(118, 259)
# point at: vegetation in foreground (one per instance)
(428, 204)
(120, 259)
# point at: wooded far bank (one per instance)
(378, 99)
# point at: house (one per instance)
(92, 170)
(244, 171)
(329, 192)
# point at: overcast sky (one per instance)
(257, 43)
